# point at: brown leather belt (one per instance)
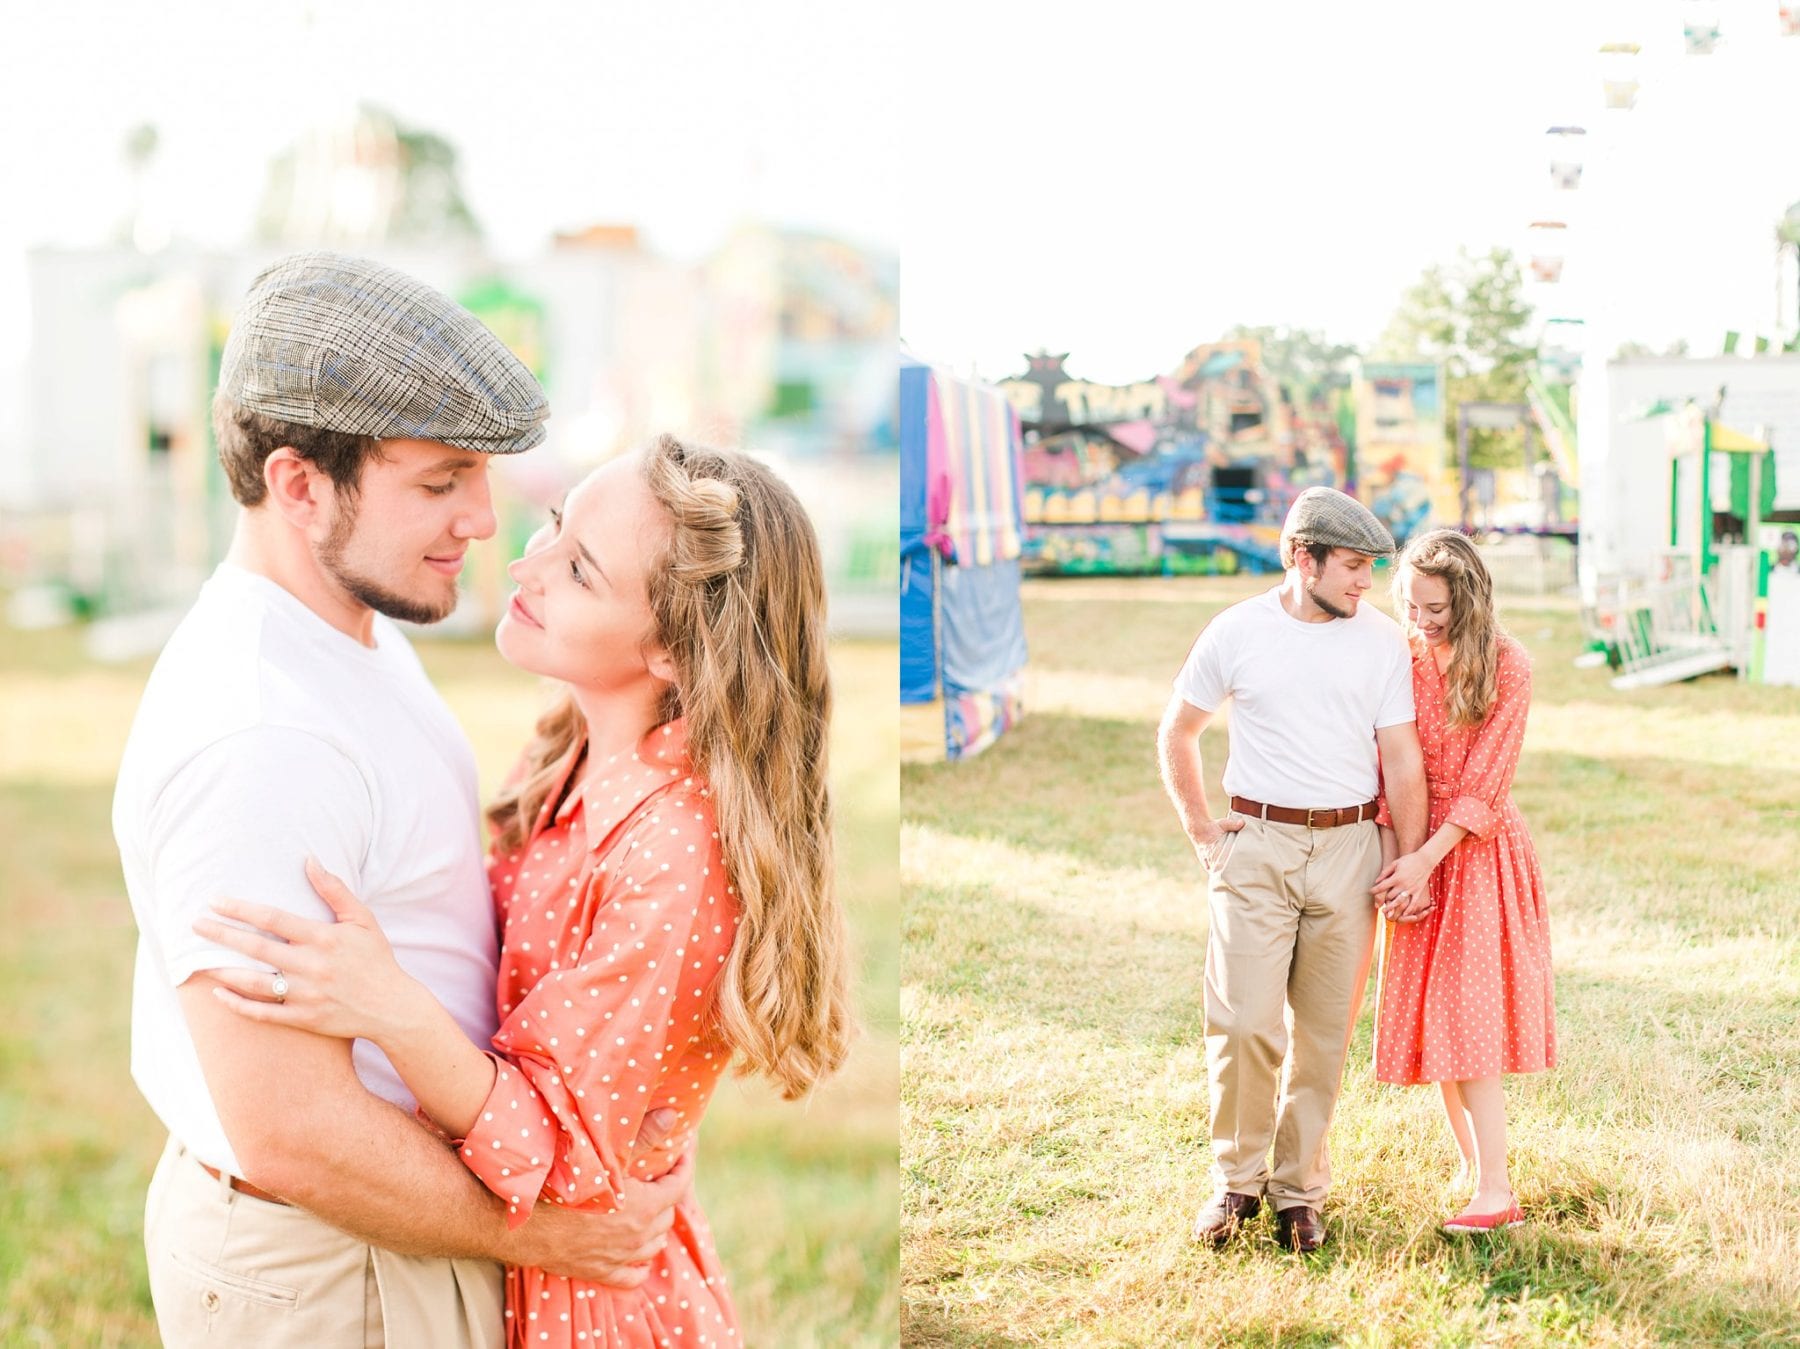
(243, 1186)
(1312, 819)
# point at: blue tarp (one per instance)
(918, 639)
(983, 626)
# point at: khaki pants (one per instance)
(1292, 928)
(227, 1269)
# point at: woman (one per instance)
(1465, 992)
(661, 870)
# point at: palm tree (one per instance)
(1787, 235)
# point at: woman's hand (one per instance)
(339, 978)
(1403, 889)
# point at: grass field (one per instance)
(1054, 1130)
(803, 1198)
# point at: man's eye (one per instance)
(439, 489)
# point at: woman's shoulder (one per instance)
(1512, 666)
(1512, 655)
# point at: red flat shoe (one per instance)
(1465, 1223)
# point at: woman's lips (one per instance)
(517, 609)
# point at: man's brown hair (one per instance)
(247, 439)
(1294, 542)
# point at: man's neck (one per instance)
(1298, 603)
(270, 549)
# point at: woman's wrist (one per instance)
(408, 1019)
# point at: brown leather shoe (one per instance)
(1219, 1221)
(1300, 1228)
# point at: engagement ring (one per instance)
(279, 987)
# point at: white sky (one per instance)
(1118, 180)
(679, 116)
(1125, 180)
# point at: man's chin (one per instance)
(403, 608)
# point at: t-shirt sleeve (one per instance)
(1203, 680)
(240, 819)
(1397, 688)
(580, 1058)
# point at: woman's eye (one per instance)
(555, 518)
(575, 573)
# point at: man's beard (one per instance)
(1331, 607)
(361, 588)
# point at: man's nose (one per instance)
(477, 520)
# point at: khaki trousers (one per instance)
(226, 1269)
(1292, 928)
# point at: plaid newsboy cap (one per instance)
(350, 345)
(1326, 515)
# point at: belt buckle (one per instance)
(1310, 812)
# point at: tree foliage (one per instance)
(1470, 316)
(376, 182)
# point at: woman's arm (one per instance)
(342, 980)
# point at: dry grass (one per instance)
(803, 1198)
(1054, 1117)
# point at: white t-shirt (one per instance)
(266, 735)
(1307, 699)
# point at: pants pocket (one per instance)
(216, 1280)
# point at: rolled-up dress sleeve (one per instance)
(1479, 797)
(580, 1056)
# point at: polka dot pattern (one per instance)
(616, 917)
(1466, 992)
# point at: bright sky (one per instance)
(1124, 181)
(1120, 181)
(681, 116)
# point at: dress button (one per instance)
(210, 1300)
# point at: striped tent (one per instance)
(962, 633)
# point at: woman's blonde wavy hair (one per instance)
(738, 600)
(1474, 631)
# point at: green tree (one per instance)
(407, 188)
(1469, 316)
(1301, 359)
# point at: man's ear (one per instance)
(297, 489)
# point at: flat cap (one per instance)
(1326, 515)
(350, 345)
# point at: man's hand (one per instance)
(614, 1248)
(1209, 839)
(1403, 889)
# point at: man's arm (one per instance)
(1178, 755)
(1403, 773)
(304, 1127)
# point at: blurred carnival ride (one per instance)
(1192, 472)
(113, 507)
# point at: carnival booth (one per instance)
(962, 633)
(1723, 589)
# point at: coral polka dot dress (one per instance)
(1466, 992)
(616, 917)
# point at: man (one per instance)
(1321, 689)
(299, 1202)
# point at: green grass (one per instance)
(1054, 1130)
(803, 1198)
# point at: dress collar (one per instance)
(611, 791)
